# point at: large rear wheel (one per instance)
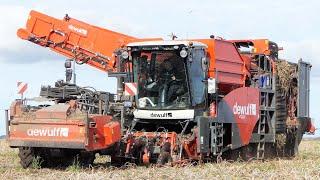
(53, 158)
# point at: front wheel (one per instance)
(27, 156)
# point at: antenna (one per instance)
(173, 36)
(188, 15)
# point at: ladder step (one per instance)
(217, 138)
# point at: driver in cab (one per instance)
(172, 75)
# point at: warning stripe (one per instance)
(130, 89)
(22, 87)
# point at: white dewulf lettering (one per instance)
(36, 132)
(161, 115)
(43, 132)
(29, 132)
(78, 30)
(64, 132)
(53, 132)
(246, 110)
(164, 114)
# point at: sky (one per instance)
(293, 24)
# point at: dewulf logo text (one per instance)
(52, 132)
(161, 115)
(242, 111)
(78, 30)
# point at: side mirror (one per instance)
(212, 86)
(67, 63)
(204, 64)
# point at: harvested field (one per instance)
(304, 166)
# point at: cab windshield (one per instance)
(162, 80)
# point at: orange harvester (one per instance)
(177, 100)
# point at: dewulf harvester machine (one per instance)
(177, 101)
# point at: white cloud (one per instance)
(12, 17)
(308, 50)
(13, 49)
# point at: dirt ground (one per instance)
(304, 166)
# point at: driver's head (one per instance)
(144, 57)
(168, 65)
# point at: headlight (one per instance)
(183, 53)
(125, 54)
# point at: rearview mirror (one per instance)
(211, 85)
(204, 64)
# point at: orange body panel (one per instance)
(111, 133)
(226, 64)
(75, 39)
(60, 126)
(71, 133)
(15, 108)
(47, 133)
(261, 46)
(103, 133)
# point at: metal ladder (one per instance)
(216, 138)
(267, 106)
(266, 120)
(261, 133)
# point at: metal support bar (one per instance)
(181, 145)
(87, 121)
(118, 74)
(7, 122)
(122, 120)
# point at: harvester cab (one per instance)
(164, 81)
(170, 78)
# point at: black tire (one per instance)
(71, 157)
(27, 155)
(291, 146)
(165, 156)
(235, 155)
(248, 152)
(117, 161)
(85, 159)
